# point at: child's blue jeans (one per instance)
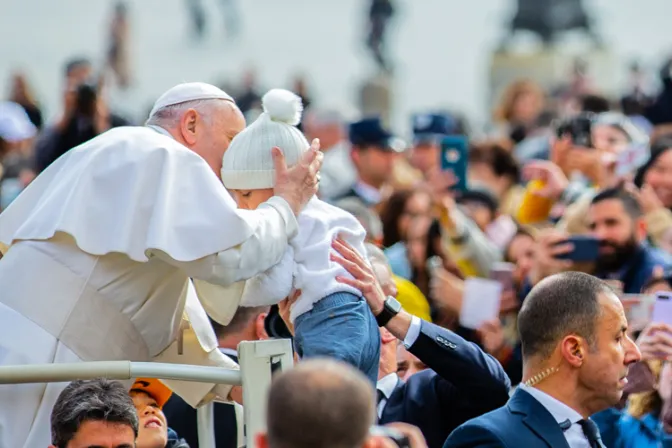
(340, 326)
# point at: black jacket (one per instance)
(464, 382)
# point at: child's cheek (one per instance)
(258, 197)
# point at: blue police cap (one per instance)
(432, 127)
(371, 132)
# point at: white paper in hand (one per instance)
(480, 302)
(630, 159)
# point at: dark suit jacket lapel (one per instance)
(538, 419)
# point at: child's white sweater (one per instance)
(306, 265)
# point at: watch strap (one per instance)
(388, 312)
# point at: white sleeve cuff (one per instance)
(413, 332)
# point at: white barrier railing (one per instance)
(256, 359)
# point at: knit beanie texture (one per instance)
(248, 163)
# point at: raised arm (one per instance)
(272, 225)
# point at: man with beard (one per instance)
(616, 219)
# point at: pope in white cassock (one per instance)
(99, 249)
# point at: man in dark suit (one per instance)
(248, 324)
(462, 381)
(576, 353)
(373, 152)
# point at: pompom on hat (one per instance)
(248, 163)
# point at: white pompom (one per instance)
(283, 106)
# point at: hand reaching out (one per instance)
(492, 336)
(447, 290)
(555, 181)
(548, 247)
(655, 342)
(440, 183)
(646, 196)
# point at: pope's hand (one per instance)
(298, 184)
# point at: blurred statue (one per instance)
(199, 17)
(548, 18)
(118, 51)
(380, 13)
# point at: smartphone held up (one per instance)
(662, 308)
(578, 128)
(503, 274)
(585, 248)
(454, 158)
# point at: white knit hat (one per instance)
(248, 163)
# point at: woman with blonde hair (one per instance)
(521, 104)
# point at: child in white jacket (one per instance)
(330, 318)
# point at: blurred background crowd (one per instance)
(560, 113)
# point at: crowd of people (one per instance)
(263, 215)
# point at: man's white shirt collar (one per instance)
(561, 413)
(229, 351)
(559, 410)
(387, 384)
(369, 193)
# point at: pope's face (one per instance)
(227, 125)
(211, 134)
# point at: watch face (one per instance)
(393, 304)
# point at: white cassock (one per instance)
(99, 250)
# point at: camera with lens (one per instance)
(578, 128)
(87, 97)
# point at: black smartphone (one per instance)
(87, 97)
(579, 128)
(586, 248)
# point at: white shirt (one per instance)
(306, 265)
(561, 412)
(229, 351)
(387, 383)
(370, 194)
(413, 332)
